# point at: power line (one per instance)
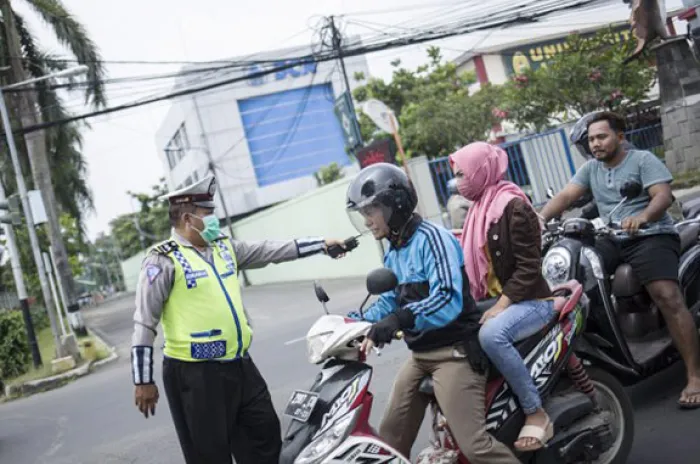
(481, 23)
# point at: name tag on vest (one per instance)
(198, 274)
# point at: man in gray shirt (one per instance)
(218, 400)
(653, 255)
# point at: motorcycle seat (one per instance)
(689, 236)
(562, 294)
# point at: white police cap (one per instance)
(199, 194)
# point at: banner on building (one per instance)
(382, 151)
(536, 54)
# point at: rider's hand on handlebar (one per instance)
(634, 223)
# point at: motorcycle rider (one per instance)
(457, 206)
(579, 137)
(502, 245)
(433, 307)
(654, 255)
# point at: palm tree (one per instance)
(54, 154)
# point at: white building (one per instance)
(267, 136)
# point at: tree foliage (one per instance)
(134, 232)
(434, 106)
(588, 75)
(63, 142)
(328, 174)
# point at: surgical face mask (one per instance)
(211, 230)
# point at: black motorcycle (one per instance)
(625, 334)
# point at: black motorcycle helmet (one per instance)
(387, 187)
(579, 135)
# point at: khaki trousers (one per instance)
(460, 392)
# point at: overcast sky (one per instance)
(121, 149)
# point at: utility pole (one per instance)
(40, 167)
(212, 168)
(19, 281)
(33, 238)
(338, 47)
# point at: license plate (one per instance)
(301, 405)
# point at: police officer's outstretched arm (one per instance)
(154, 286)
(257, 254)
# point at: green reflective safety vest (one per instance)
(203, 318)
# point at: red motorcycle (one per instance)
(592, 415)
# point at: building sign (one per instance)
(382, 151)
(536, 55)
(351, 130)
(299, 70)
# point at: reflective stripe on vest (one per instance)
(203, 318)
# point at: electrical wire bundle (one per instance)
(455, 19)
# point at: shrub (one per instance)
(14, 347)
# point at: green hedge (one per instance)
(14, 348)
(40, 319)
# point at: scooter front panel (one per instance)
(365, 450)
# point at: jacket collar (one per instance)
(402, 238)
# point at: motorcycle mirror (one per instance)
(631, 189)
(381, 281)
(321, 294)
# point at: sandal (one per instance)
(540, 434)
(687, 404)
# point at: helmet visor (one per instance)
(371, 217)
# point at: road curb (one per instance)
(56, 381)
(95, 365)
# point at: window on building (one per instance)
(188, 181)
(176, 148)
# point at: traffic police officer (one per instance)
(218, 400)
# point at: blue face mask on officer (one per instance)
(211, 230)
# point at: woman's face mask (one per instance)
(211, 230)
(469, 186)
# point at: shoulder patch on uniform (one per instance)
(153, 271)
(166, 247)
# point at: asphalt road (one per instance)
(93, 420)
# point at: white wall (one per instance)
(131, 268)
(495, 70)
(224, 129)
(317, 213)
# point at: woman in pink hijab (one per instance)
(502, 255)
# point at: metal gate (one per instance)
(535, 163)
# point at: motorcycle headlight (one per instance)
(556, 266)
(596, 265)
(314, 346)
(329, 440)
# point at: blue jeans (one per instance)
(497, 336)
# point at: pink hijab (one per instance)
(484, 167)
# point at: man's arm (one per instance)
(557, 205)
(385, 305)
(252, 255)
(574, 190)
(656, 178)
(154, 286)
(442, 264)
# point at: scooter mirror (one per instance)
(631, 189)
(321, 294)
(381, 281)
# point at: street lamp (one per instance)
(22, 189)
